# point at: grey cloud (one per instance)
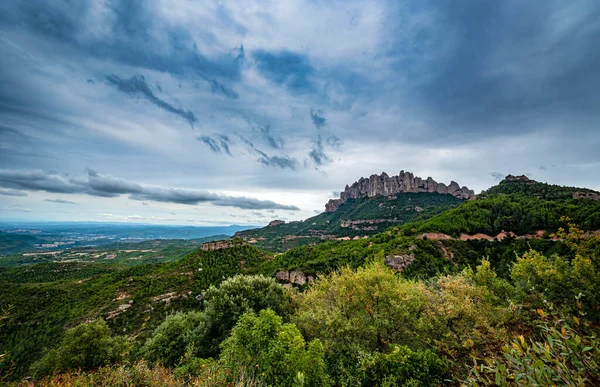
(335, 142)
(212, 144)
(217, 87)
(317, 153)
(225, 143)
(275, 141)
(334, 195)
(12, 192)
(282, 162)
(317, 118)
(98, 184)
(497, 175)
(133, 33)
(137, 86)
(60, 201)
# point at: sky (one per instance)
(229, 112)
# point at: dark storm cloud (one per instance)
(98, 184)
(335, 142)
(60, 201)
(12, 192)
(137, 86)
(317, 153)
(134, 33)
(286, 68)
(511, 66)
(317, 119)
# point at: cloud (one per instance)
(317, 119)
(274, 141)
(212, 143)
(317, 153)
(12, 192)
(334, 194)
(217, 87)
(98, 184)
(136, 86)
(60, 201)
(497, 175)
(225, 143)
(283, 162)
(285, 68)
(335, 142)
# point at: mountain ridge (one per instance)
(404, 182)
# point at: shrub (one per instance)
(85, 346)
(566, 352)
(402, 367)
(277, 351)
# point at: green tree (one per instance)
(277, 351)
(85, 346)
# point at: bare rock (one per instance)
(398, 262)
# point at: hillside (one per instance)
(356, 218)
(368, 206)
(517, 205)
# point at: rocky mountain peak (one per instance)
(385, 185)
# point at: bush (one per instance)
(402, 367)
(277, 352)
(201, 333)
(86, 346)
(566, 352)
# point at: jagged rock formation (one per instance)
(276, 222)
(384, 185)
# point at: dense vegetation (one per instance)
(405, 207)
(507, 312)
(518, 207)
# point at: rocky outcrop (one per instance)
(586, 195)
(384, 185)
(520, 179)
(398, 262)
(276, 222)
(294, 277)
(218, 245)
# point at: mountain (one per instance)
(405, 182)
(517, 205)
(365, 208)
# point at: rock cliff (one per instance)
(384, 185)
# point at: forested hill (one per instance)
(518, 205)
(355, 218)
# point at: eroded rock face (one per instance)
(586, 195)
(276, 222)
(218, 245)
(398, 262)
(294, 277)
(384, 185)
(521, 178)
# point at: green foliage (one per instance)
(565, 352)
(202, 332)
(276, 350)
(314, 230)
(171, 338)
(514, 206)
(402, 367)
(85, 346)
